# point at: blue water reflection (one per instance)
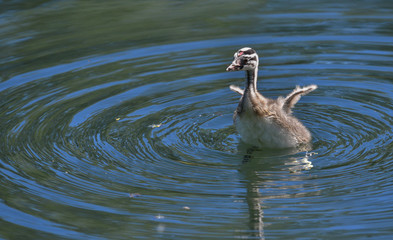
(117, 120)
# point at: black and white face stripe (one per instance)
(246, 51)
(244, 59)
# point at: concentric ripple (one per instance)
(141, 142)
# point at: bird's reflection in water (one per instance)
(258, 168)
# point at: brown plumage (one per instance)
(261, 121)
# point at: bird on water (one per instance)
(261, 121)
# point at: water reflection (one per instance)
(258, 166)
(103, 102)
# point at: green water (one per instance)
(116, 120)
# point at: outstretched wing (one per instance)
(236, 89)
(295, 95)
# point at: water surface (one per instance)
(116, 120)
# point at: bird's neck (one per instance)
(251, 76)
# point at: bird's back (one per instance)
(267, 124)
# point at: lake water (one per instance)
(116, 120)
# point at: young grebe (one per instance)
(261, 121)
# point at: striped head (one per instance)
(244, 59)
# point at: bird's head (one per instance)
(244, 59)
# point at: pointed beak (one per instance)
(235, 66)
